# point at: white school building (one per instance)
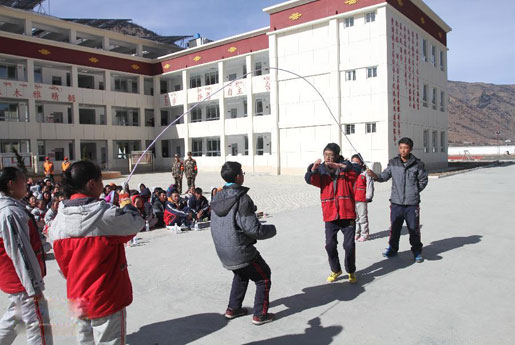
(71, 88)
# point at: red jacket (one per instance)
(336, 191)
(360, 189)
(88, 238)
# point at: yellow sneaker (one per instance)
(333, 276)
(352, 278)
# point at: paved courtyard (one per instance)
(461, 294)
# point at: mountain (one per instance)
(478, 110)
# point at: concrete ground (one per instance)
(461, 294)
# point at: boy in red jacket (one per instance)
(88, 238)
(336, 177)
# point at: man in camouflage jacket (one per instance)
(177, 172)
(190, 168)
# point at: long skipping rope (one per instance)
(221, 89)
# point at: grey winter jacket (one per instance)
(235, 227)
(407, 181)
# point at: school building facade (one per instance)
(68, 89)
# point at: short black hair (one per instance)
(406, 141)
(198, 190)
(335, 148)
(230, 170)
(78, 175)
(358, 156)
(161, 192)
(8, 174)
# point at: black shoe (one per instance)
(262, 319)
(232, 314)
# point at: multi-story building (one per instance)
(69, 89)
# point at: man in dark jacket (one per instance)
(199, 205)
(409, 178)
(235, 229)
(336, 177)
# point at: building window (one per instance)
(165, 148)
(442, 101)
(434, 139)
(260, 145)
(213, 147)
(164, 86)
(8, 72)
(424, 50)
(370, 127)
(426, 141)
(433, 98)
(433, 55)
(349, 22)
(14, 112)
(38, 75)
(57, 80)
(259, 69)
(442, 142)
(234, 113)
(195, 81)
(370, 17)
(245, 110)
(196, 115)
(442, 60)
(196, 147)
(424, 95)
(22, 146)
(164, 118)
(350, 129)
(350, 75)
(211, 78)
(212, 113)
(126, 117)
(121, 85)
(371, 72)
(259, 107)
(232, 76)
(122, 149)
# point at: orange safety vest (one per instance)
(65, 166)
(48, 167)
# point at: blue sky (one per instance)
(481, 44)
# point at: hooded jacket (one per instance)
(22, 265)
(408, 180)
(364, 188)
(235, 228)
(88, 239)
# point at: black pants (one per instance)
(259, 272)
(410, 214)
(348, 228)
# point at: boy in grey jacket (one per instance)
(235, 229)
(409, 178)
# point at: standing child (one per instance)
(235, 229)
(22, 265)
(88, 238)
(363, 194)
(336, 177)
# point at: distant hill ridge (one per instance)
(477, 110)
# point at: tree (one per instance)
(19, 160)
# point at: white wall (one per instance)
(481, 150)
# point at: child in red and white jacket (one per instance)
(88, 238)
(363, 194)
(22, 265)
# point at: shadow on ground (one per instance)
(314, 334)
(386, 233)
(178, 331)
(317, 296)
(191, 328)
